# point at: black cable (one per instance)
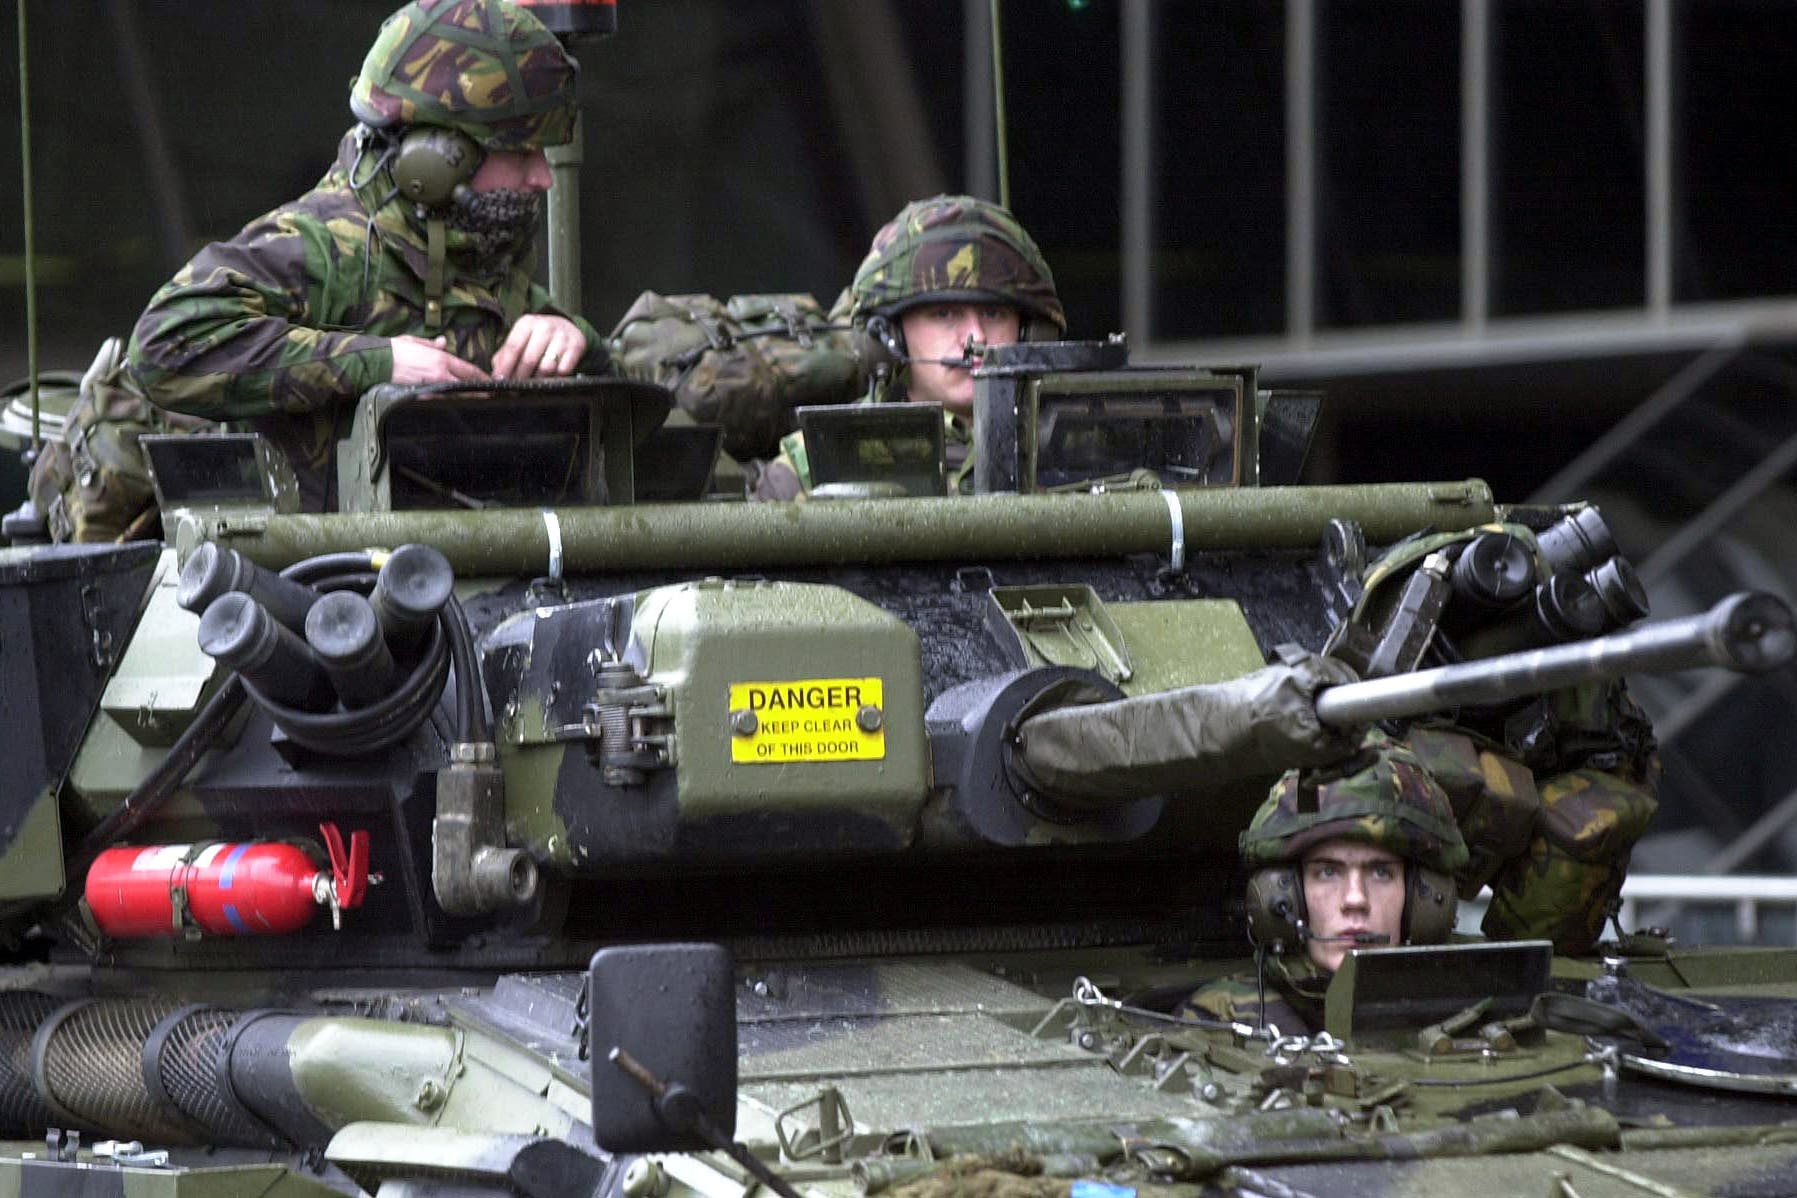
(1456, 1083)
(1191, 1021)
(326, 564)
(472, 724)
(364, 730)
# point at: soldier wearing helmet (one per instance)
(1357, 855)
(409, 262)
(944, 279)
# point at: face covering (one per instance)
(500, 222)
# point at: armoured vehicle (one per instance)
(545, 823)
(541, 825)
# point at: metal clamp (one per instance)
(1087, 994)
(1326, 1047)
(130, 1152)
(834, 1127)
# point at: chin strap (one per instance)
(437, 254)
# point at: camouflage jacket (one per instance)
(286, 324)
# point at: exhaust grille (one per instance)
(183, 1060)
(87, 1060)
(23, 1114)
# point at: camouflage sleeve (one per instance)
(1222, 998)
(1238, 999)
(235, 333)
(597, 359)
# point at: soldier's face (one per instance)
(512, 170)
(936, 331)
(1350, 888)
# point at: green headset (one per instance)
(432, 164)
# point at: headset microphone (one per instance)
(972, 353)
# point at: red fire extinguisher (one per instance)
(253, 888)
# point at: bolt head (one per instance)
(869, 718)
(743, 722)
(430, 1096)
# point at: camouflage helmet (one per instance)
(487, 68)
(1383, 797)
(958, 249)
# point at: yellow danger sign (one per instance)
(808, 719)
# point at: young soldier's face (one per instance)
(1351, 888)
(934, 331)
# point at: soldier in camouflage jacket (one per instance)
(409, 262)
(944, 277)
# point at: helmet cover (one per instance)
(955, 249)
(487, 68)
(1383, 797)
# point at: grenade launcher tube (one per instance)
(705, 536)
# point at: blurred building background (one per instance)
(1549, 243)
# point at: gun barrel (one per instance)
(1749, 632)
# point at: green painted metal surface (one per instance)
(31, 867)
(163, 676)
(706, 638)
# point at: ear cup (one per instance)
(432, 162)
(1430, 906)
(1276, 911)
(1035, 329)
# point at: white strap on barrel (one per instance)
(554, 528)
(1176, 556)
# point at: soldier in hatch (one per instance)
(410, 262)
(944, 279)
(1356, 855)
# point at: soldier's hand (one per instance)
(540, 346)
(416, 360)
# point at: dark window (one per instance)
(1062, 105)
(1219, 169)
(1388, 145)
(1734, 94)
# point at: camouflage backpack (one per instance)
(744, 363)
(93, 483)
